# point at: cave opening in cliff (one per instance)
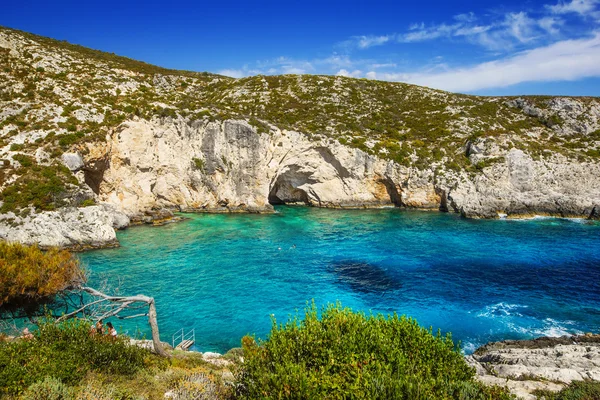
(286, 188)
(287, 194)
(94, 174)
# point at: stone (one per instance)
(73, 161)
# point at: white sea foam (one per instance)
(469, 347)
(553, 328)
(546, 217)
(501, 309)
(549, 327)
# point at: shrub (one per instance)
(48, 389)
(198, 162)
(88, 203)
(577, 390)
(65, 351)
(344, 354)
(24, 160)
(30, 277)
(197, 383)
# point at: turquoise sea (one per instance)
(225, 275)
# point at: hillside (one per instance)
(80, 127)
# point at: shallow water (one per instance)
(224, 275)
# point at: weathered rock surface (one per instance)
(544, 363)
(74, 228)
(519, 186)
(228, 167)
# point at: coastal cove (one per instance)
(224, 275)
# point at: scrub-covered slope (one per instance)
(90, 140)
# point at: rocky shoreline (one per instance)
(546, 363)
(145, 172)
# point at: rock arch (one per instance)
(287, 187)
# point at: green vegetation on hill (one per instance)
(343, 354)
(577, 390)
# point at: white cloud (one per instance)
(373, 75)
(383, 65)
(471, 30)
(561, 61)
(520, 26)
(287, 69)
(467, 17)
(364, 42)
(354, 74)
(234, 73)
(582, 7)
(336, 61)
(549, 24)
(422, 33)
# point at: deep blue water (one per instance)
(225, 274)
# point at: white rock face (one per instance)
(519, 186)
(77, 228)
(544, 363)
(73, 161)
(147, 168)
(230, 167)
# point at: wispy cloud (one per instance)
(354, 74)
(564, 60)
(364, 42)
(551, 24)
(581, 7)
(506, 32)
(234, 73)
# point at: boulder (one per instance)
(73, 161)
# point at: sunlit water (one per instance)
(224, 275)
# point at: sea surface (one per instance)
(227, 275)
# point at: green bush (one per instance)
(577, 390)
(344, 354)
(199, 163)
(65, 351)
(48, 389)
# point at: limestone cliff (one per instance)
(229, 166)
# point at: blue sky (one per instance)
(509, 47)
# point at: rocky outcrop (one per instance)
(73, 228)
(229, 167)
(543, 363)
(148, 169)
(517, 186)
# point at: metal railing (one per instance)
(181, 336)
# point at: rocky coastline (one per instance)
(150, 169)
(545, 363)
